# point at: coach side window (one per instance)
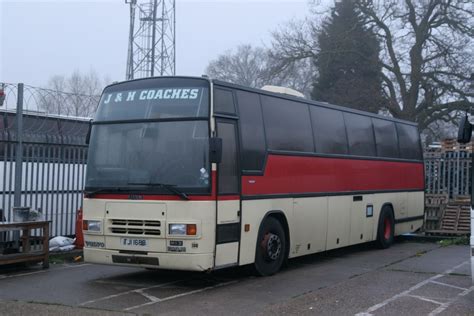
(360, 135)
(223, 101)
(251, 129)
(409, 140)
(287, 125)
(386, 138)
(329, 131)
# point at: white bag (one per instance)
(59, 242)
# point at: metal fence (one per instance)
(43, 155)
(448, 173)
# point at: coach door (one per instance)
(228, 197)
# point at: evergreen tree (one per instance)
(349, 71)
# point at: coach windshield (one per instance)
(151, 135)
(157, 98)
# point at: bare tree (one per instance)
(246, 66)
(428, 56)
(293, 42)
(255, 67)
(76, 95)
(50, 100)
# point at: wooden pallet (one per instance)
(28, 254)
(434, 209)
(436, 199)
(443, 217)
(452, 144)
(462, 200)
(456, 219)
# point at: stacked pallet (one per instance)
(451, 144)
(455, 218)
(434, 208)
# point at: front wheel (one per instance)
(386, 228)
(271, 247)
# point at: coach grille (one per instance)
(135, 227)
(116, 230)
(119, 222)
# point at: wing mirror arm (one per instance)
(88, 135)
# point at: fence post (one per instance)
(19, 148)
(18, 160)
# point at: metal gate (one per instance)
(43, 157)
(448, 173)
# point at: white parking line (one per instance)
(148, 296)
(447, 304)
(158, 300)
(449, 285)
(128, 292)
(425, 299)
(372, 309)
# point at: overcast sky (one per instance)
(39, 39)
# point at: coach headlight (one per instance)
(92, 226)
(182, 229)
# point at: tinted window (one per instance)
(409, 141)
(154, 98)
(386, 138)
(251, 127)
(223, 101)
(360, 135)
(130, 156)
(287, 125)
(228, 175)
(329, 131)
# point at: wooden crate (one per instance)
(434, 209)
(452, 144)
(455, 220)
(28, 253)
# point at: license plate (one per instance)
(176, 249)
(134, 242)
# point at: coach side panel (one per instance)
(330, 219)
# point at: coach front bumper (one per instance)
(156, 260)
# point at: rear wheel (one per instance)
(271, 247)
(386, 228)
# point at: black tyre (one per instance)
(271, 247)
(386, 228)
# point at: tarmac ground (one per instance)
(410, 278)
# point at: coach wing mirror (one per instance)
(215, 149)
(465, 130)
(88, 135)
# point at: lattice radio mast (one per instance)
(152, 39)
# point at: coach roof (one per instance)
(278, 95)
(311, 102)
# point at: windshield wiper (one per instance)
(94, 192)
(170, 187)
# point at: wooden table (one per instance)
(27, 255)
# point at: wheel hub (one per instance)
(272, 245)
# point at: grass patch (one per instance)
(463, 240)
